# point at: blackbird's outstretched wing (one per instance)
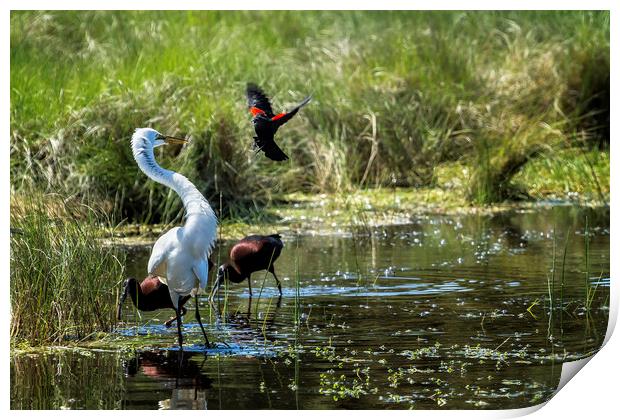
(257, 100)
(271, 149)
(283, 118)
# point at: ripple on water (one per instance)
(403, 289)
(230, 348)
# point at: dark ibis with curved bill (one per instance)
(252, 253)
(151, 295)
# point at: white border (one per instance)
(592, 395)
(311, 5)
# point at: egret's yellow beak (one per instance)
(174, 140)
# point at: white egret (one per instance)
(179, 256)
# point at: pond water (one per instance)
(446, 312)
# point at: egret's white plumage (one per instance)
(179, 257)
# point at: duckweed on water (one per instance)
(342, 387)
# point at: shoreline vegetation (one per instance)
(332, 214)
(412, 112)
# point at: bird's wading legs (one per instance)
(277, 281)
(178, 309)
(250, 283)
(207, 344)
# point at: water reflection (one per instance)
(256, 322)
(175, 371)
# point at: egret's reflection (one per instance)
(176, 371)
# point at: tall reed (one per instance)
(297, 309)
(562, 278)
(63, 279)
(589, 291)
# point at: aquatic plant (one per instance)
(341, 387)
(297, 311)
(63, 279)
(589, 290)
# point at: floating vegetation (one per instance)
(342, 387)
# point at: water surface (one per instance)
(443, 312)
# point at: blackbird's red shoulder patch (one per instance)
(255, 111)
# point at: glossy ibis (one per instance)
(151, 295)
(266, 123)
(252, 253)
(179, 256)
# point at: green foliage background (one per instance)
(400, 98)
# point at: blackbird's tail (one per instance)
(270, 148)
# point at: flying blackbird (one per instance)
(266, 123)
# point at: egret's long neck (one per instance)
(193, 201)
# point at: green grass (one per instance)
(396, 95)
(63, 281)
(574, 173)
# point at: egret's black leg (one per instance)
(277, 281)
(200, 323)
(178, 309)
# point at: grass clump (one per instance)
(63, 281)
(576, 173)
